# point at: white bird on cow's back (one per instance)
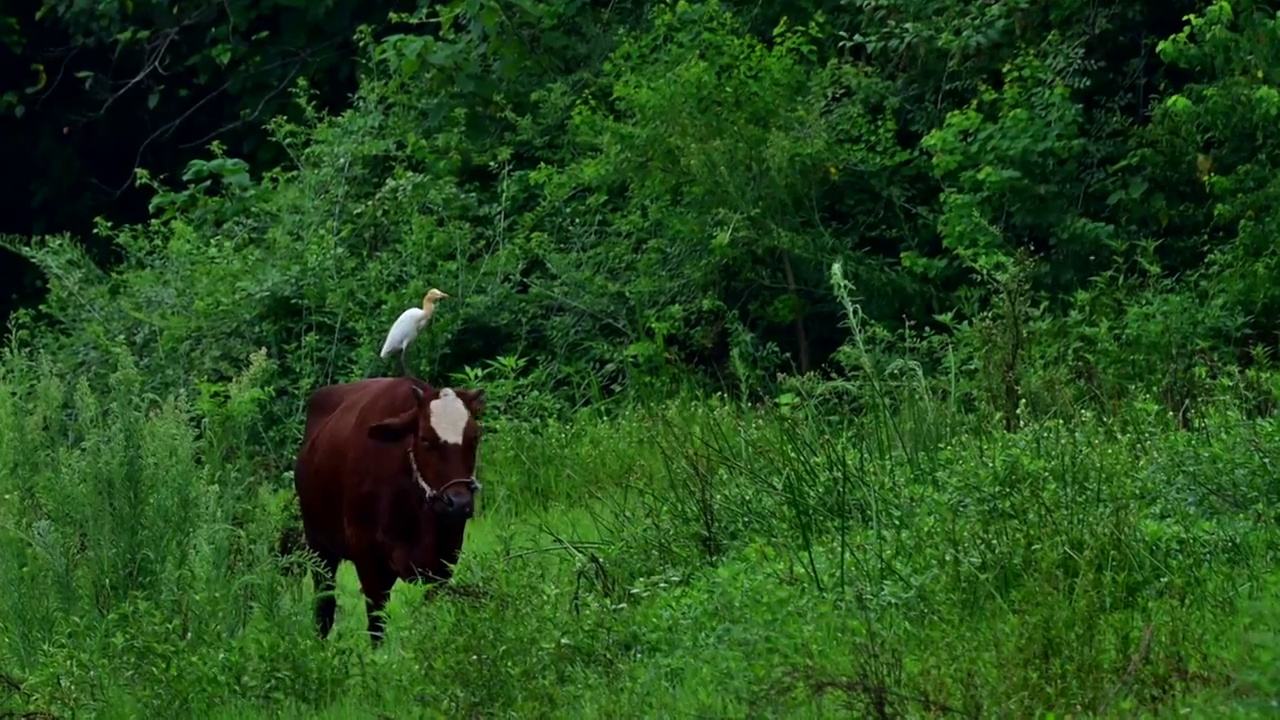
(408, 325)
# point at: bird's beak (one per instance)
(444, 295)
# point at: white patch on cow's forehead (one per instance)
(449, 417)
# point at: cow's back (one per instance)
(337, 453)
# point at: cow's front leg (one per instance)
(376, 580)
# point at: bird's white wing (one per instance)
(402, 332)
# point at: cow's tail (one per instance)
(290, 541)
(290, 548)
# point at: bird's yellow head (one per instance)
(432, 296)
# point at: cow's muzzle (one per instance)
(457, 497)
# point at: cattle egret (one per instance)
(408, 325)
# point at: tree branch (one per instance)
(150, 65)
(168, 128)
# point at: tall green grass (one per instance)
(697, 557)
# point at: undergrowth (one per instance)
(698, 557)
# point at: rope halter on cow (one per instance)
(431, 493)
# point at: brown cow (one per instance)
(386, 479)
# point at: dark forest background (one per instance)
(91, 92)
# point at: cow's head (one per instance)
(446, 438)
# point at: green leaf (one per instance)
(221, 54)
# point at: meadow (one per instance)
(688, 556)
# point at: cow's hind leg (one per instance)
(326, 591)
(376, 580)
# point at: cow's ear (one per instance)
(474, 399)
(394, 428)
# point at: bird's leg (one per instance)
(403, 367)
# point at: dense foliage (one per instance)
(902, 357)
(646, 185)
